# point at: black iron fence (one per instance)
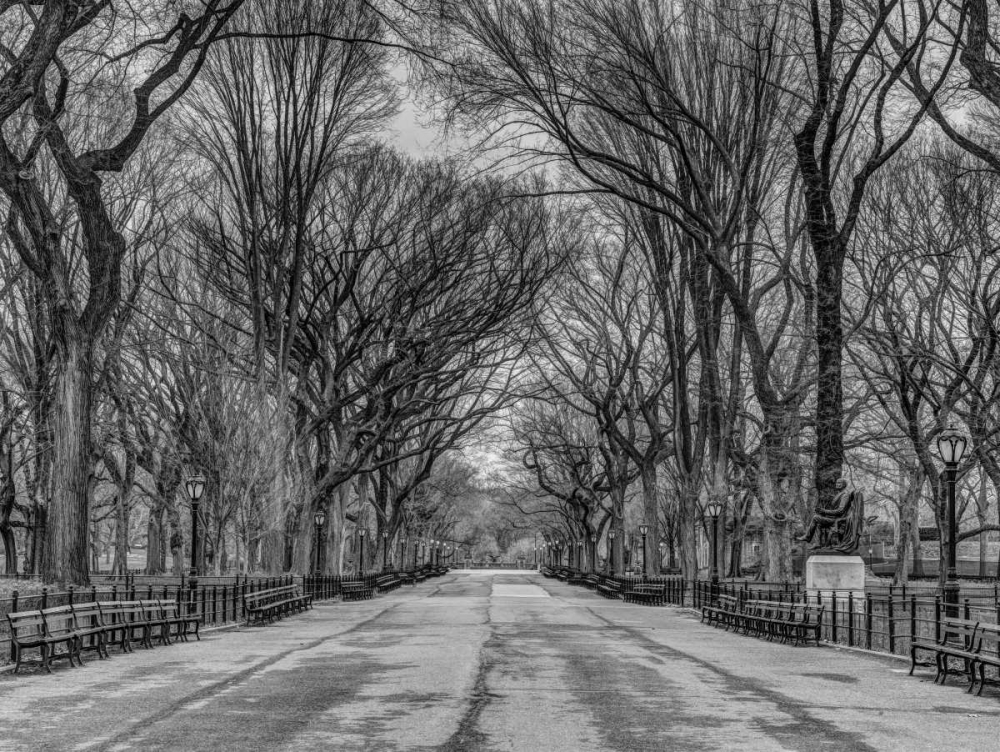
(882, 619)
(322, 587)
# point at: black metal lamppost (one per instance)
(643, 529)
(195, 487)
(319, 519)
(593, 552)
(713, 510)
(951, 446)
(611, 551)
(361, 552)
(402, 552)
(385, 549)
(579, 554)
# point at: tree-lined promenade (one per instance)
(480, 661)
(688, 268)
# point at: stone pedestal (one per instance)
(829, 573)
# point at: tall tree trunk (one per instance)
(618, 521)
(65, 559)
(911, 484)
(741, 516)
(982, 507)
(154, 539)
(687, 518)
(777, 497)
(829, 376)
(651, 517)
(336, 519)
(120, 565)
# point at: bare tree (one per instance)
(44, 75)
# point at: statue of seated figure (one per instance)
(837, 526)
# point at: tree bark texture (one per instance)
(651, 518)
(65, 557)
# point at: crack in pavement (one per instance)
(803, 720)
(207, 693)
(467, 737)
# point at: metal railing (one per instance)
(882, 619)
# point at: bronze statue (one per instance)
(839, 523)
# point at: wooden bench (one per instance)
(30, 630)
(408, 578)
(645, 592)
(803, 621)
(386, 582)
(90, 627)
(785, 621)
(168, 612)
(132, 624)
(592, 581)
(987, 655)
(352, 590)
(609, 588)
(759, 617)
(156, 621)
(96, 626)
(956, 639)
(975, 644)
(267, 605)
(723, 611)
(124, 623)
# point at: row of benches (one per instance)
(361, 589)
(267, 605)
(785, 621)
(630, 591)
(66, 631)
(975, 644)
(367, 587)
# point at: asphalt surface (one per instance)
(490, 661)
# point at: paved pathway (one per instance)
(490, 661)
